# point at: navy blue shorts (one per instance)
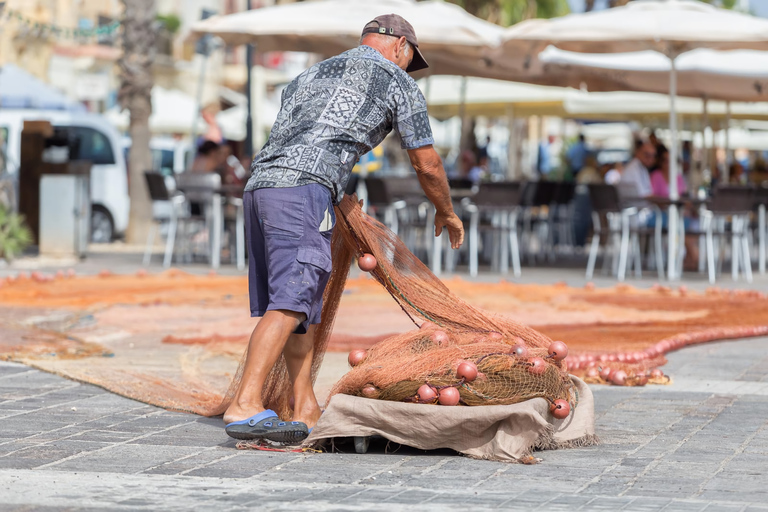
(289, 246)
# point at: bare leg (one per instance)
(267, 342)
(298, 359)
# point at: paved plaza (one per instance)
(698, 444)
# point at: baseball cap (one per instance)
(394, 25)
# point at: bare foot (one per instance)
(237, 413)
(308, 414)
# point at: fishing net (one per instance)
(451, 331)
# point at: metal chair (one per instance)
(501, 203)
(761, 201)
(201, 190)
(617, 225)
(734, 202)
(161, 199)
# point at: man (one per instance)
(635, 178)
(577, 155)
(331, 114)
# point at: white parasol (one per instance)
(671, 27)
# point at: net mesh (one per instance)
(395, 367)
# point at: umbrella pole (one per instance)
(248, 144)
(511, 145)
(727, 169)
(673, 173)
(705, 149)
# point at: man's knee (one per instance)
(293, 318)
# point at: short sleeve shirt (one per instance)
(335, 112)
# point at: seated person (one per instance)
(660, 177)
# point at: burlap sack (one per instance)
(506, 433)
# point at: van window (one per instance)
(90, 144)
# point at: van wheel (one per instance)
(102, 226)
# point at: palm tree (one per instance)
(135, 94)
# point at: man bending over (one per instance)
(330, 115)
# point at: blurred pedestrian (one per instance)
(577, 155)
(635, 178)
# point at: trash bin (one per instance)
(65, 212)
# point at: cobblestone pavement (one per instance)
(699, 444)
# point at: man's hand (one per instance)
(453, 224)
(429, 168)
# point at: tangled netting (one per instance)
(454, 332)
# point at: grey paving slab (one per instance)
(699, 444)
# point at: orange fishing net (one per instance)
(452, 332)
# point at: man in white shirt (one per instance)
(636, 178)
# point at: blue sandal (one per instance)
(267, 425)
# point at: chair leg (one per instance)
(171, 240)
(710, 248)
(504, 248)
(150, 241)
(659, 245)
(240, 236)
(745, 250)
(761, 239)
(624, 248)
(594, 247)
(514, 247)
(474, 219)
(637, 256)
(735, 249)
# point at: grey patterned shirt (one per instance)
(334, 112)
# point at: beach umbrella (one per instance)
(450, 38)
(735, 75)
(671, 27)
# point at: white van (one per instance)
(99, 143)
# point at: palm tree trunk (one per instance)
(135, 95)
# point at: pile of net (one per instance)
(513, 362)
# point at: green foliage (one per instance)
(15, 236)
(171, 22)
(509, 12)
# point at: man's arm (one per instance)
(429, 169)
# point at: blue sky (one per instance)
(759, 7)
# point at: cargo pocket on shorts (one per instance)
(314, 266)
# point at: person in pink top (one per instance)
(660, 186)
(660, 177)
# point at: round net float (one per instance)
(619, 377)
(426, 393)
(519, 351)
(370, 391)
(641, 380)
(605, 373)
(428, 325)
(656, 374)
(560, 409)
(449, 396)
(593, 373)
(467, 370)
(439, 337)
(496, 336)
(537, 366)
(558, 350)
(366, 262)
(356, 357)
